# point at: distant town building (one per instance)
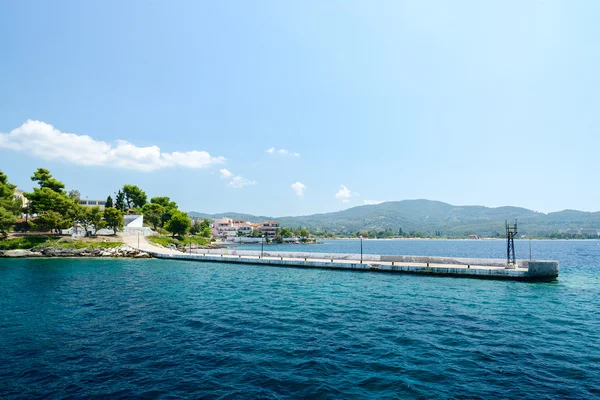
(93, 203)
(19, 195)
(245, 228)
(581, 231)
(225, 228)
(269, 228)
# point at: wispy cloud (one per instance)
(298, 188)
(225, 173)
(282, 152)
(238, 182)
(42, 140)
(373, 202)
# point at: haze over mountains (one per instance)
(429, 216)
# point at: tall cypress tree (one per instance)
(120, 201)
(109, 202)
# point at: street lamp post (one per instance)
(262, 245)
(361, 248)
(138, 239)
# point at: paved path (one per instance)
(366, 262)
(144, 245)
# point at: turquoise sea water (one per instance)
(154, 328)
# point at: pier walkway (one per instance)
(442, 266)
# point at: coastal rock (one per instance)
(21, 253)
(57, 252)
(121, 251)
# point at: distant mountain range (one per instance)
(428, 217)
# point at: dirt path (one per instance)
(144, 245)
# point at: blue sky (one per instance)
(488, 103)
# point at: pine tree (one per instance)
(109, 202)
(120, 201)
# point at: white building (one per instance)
(134, 221)
(269, 228)
(93, 203)
(223, 228)
(226, 228)
(20, 196)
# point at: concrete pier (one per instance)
(533, 271)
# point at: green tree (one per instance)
(120, 201)
(74, 195)
(10, 206)
(7, 220)
(304, 233)
(205, 230)
(77, 214)
(109, 202)
(134, 196)
(169, 208)
(52, 220)
(195, 229)
(45, 180)
(179, 224)
(255, 233)
(50, 196)
(153, 213)
(94, 218)
(114, 219)
(164, 201)
(7, 193)
(285, 232)
(46, 199)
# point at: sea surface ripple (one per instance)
(97, 328)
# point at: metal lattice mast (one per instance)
(511, 232)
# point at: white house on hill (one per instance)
(134, 221)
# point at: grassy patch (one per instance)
(162, 240)
(83, 244)
(26, 242)
(31, 242)
(162, 231)
(166, 240)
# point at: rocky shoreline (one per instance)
(122, 251)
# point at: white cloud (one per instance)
(44, 141)
(343, 193)
(225, 173)
(238, 182)
(299, 188)
(283, 152)
(373, 202)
